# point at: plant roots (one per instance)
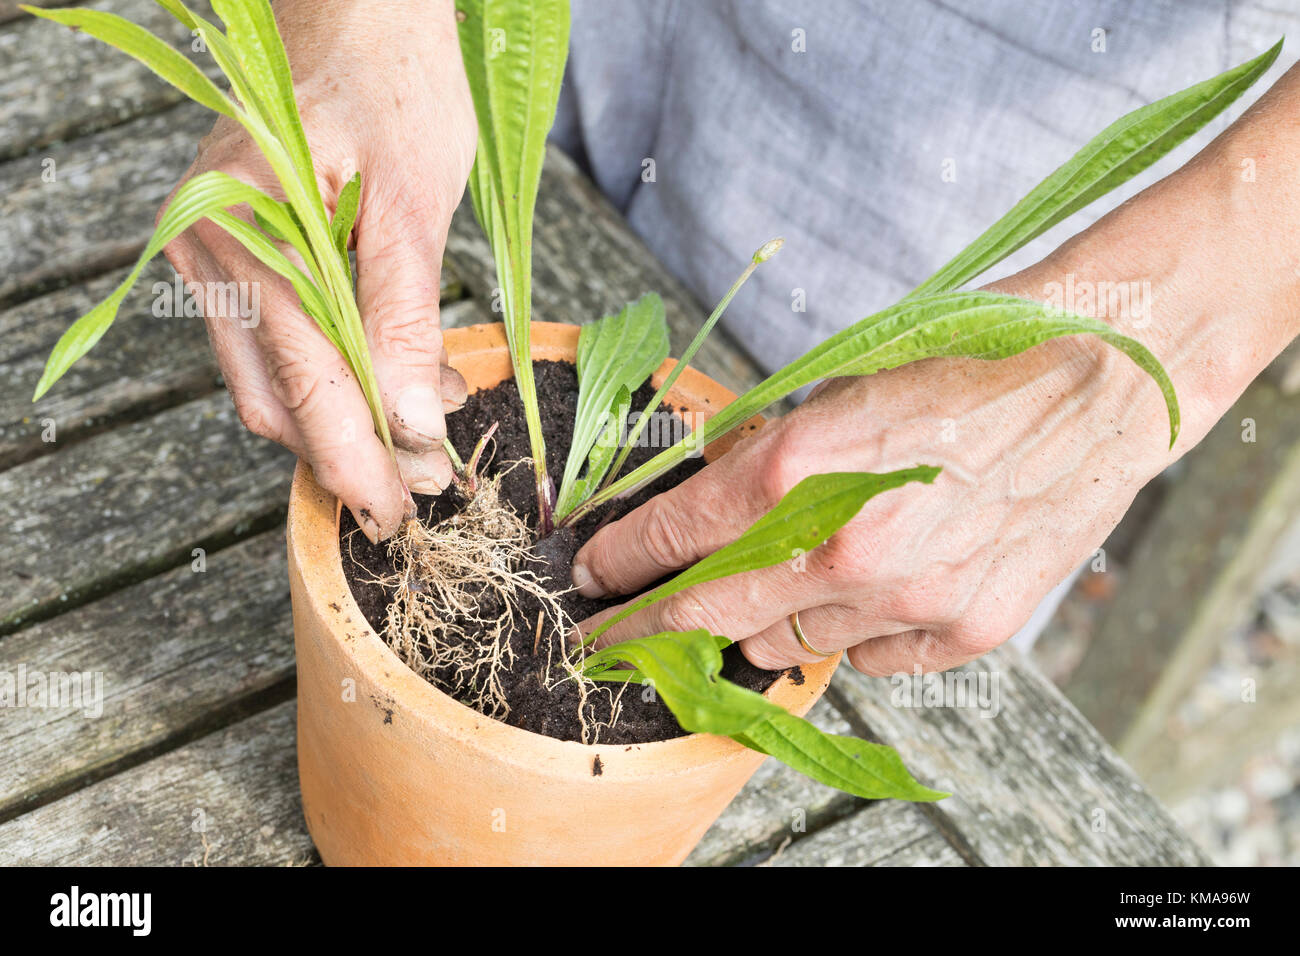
(459, 590)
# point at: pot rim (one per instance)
(312, 528)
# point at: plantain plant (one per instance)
(514, 52)
(514, 57)
(935, 320)
(251, 55)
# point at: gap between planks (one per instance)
(144, 366)
(178, 656)
(112, 508)
(241, 784)
(1032, 782)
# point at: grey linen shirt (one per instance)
(877, 137)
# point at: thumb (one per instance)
(667, 533)
(399, 262)
(689, 521)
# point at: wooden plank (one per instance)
(174, 657)
(46, 74)
(885, 833)
(143, 365)
(775, 805)
(230, 798)
(588, 263)
(1032, 782)
(244, 781)
(133, 501)
(1195, 572)
(99, 211)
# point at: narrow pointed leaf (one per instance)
(181, 12)
(345, 214)
(1111, 158)
(255, 40)
(810, 512)
(685, 669)
(982, 325)
(514, 53)
(139, 43)
(195, 200)
(868, 770)
(602, 453)
(617, 352)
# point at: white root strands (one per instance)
(458, 591)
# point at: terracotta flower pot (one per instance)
(394, 771)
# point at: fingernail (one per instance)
(453, 388)
(368, 525)
(427, 474)
(419, 409)
(429, 486)
(585, 583)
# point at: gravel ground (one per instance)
(1243, 809)
(1254, 820)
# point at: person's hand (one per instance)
(382, 91)
(1041, 453)
(1041, 456)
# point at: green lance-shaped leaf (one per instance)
(615, 353)
(197, 199)
(1111, 158)
(602, 451)
(345, 214)
(254, 62)
(685, 669)
(807, 515)
(255, 40)
(514, 53)
(869, 770)
(765, 252)
(139, 43)
(982, 325)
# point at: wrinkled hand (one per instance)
(1040, 457)
(1041, 454)
(382, 91)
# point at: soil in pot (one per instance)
(535, 689)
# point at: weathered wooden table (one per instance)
(141, 542)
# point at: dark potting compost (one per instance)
(538, 696)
